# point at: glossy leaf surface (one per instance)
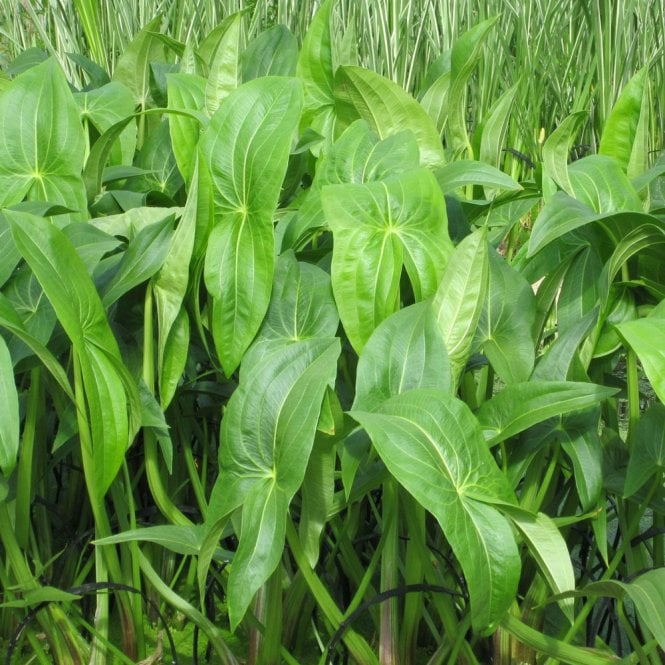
(432, 445)
(379, 228)
(360, 93)
(245, 151)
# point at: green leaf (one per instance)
(257, 121)
(460, 298)
(549, 549)
(9, 255)
(273, 52)
(405, 352)
(506, 323)
(646, 592)
(43, 594)
(10, 421)
(598, 182)
(358, 156)
(144, 256)
(556, 149)
(377, 229)
(647, 454)
(580, 289)
(522, 405)
(435, 101)
(493, 128)
(185, 92)
(644, 337)
(267, 435)
(301, 307)
(225, 66)
(467, 172)
(317, 494)
(111, 394)
(10, 320)
(465, 55)
(41, 140)
(169, 288)
(315, 69)
(261, 545)
(431, 444)
(133, 65)
(181, 539)
(562, 214)
(555, 364)
(620, 128)
(360, 93)
(104, 107)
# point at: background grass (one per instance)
(564, 55)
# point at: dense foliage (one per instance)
(322, 368)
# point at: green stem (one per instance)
(632, 637)
(272, 620)
(358, 647)
(632, 381)
(389, 631)
(180, 604)
(414, 573)
(632, 529)
(24, 485)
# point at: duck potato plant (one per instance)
(282, 362)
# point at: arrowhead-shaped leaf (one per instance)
(378, 228)
(42, 144)
(267, 436)
(431, 443)
(245, 152)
